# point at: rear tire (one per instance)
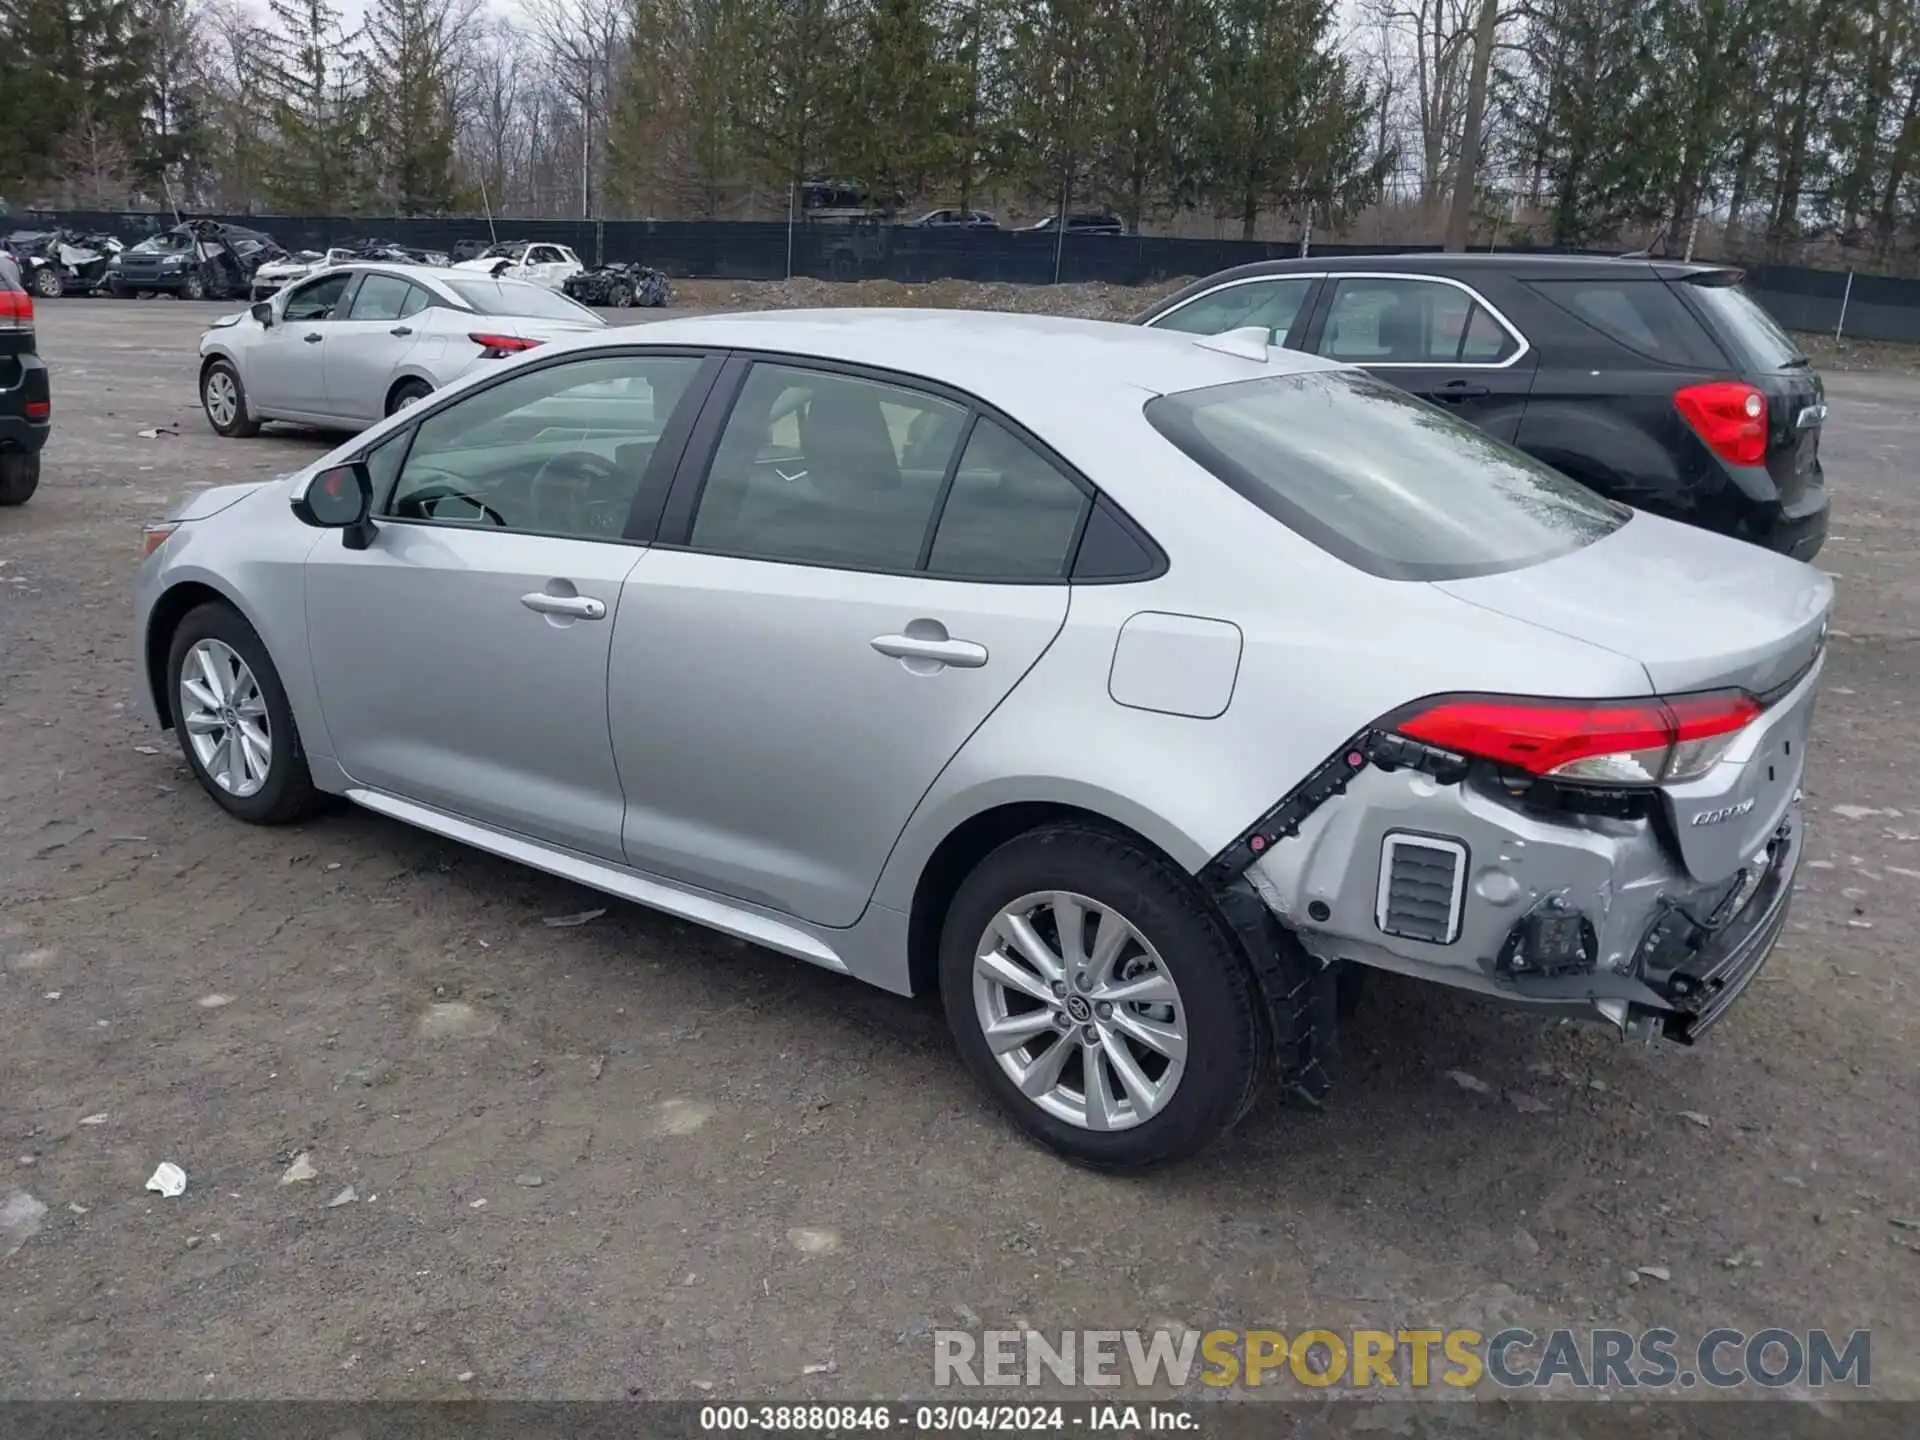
(1206, 997)
(407, 392)
(281, 790)
(19, 476)
(224, 400)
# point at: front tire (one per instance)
(19, 476)
(47, 283)
(1099, 998)
(224, 399)
(194, 287)
(233, 721)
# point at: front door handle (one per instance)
(401, 330)
(580, 607)
(1460, 390)
(963, 654)
(313, 339)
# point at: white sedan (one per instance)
(351, 345)
(538, 264)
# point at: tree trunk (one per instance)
(1460, 217)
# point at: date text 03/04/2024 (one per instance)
(964, 1419)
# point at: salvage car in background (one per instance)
(618, 286)
(1149, 681)
(274, 276)
(355, 343)
(62, 262)
(536, 262)
(1659, 383)
(196, 260)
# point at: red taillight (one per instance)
(497, 346)
(38, 409)
(1616, 742)
(16, 309)
(1730, 416)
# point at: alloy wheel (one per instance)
(225, 717)
(221, 397)
(1079, 1010)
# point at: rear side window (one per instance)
(1384, 481)
(1391, 320)
(1643, 315)
(1754, 336)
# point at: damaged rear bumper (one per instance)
(1442, 879)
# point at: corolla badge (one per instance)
(1722, 815)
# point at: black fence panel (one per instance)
(1876, 307)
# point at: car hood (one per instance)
(202, 504)
(484, 266)
(1697, 610)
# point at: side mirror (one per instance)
(340, 499)
(263, 312)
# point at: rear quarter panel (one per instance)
(1326, 650)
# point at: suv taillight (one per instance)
(1604, 742)
(1730, 416)
(16, 309)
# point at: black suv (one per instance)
(1660, 384)
(26, 410)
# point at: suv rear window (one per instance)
(1754, 336)
(1641, 314)
(1388, 483)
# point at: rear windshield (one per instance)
(490, 297)
(1386, 482)
(1754, 336)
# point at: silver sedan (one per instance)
(352, 344)
(1131, 691)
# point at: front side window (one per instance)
(1271, 304)
(827, 469)
(1389, 484)
(1397, 320)
(555, 451)
(317, 299)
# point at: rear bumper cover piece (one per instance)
(1656, 946)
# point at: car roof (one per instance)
(1020, 363)
(1434, 262)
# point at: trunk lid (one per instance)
(1697, 611)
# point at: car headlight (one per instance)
(173, 262)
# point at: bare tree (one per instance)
(580, 43)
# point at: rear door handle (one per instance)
(401, 330)
(580, 607)
(963, 654)
(313, 339)
(1460, 390)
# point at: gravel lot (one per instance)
(628, 1158)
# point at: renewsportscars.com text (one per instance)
(1722, 1358)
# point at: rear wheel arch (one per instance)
(970, 842)
(404, 385)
